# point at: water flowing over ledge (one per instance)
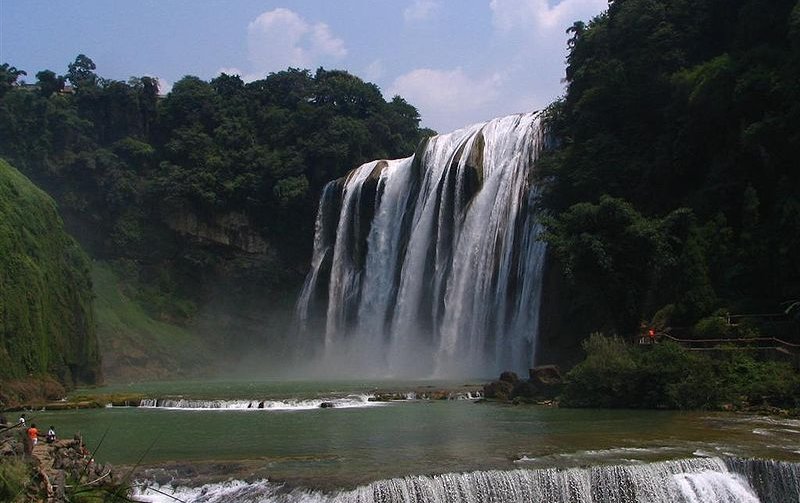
(300, 404)
(276, 405)
(707, 480)
(430, 265)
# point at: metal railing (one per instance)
(786, 350)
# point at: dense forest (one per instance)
(674, 191)
(205, 196)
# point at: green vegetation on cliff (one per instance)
(46, 321)
(136, 346)
(202, 201)
(673, 187)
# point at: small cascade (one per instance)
(339, 402)
(706, 480)
(430, 266)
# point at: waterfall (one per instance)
(706, 480)
(430, 266)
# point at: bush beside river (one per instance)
(616, 374)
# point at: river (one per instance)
(198, 432)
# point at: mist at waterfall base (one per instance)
(429, 266)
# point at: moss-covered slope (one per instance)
(135, 346)
(46, 321)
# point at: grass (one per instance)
(136, 346)
(15, 475)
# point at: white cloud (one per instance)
(280, 38)
(420, 10)
(508, 15)
(449, 99)
(528, 46)
(374, 71)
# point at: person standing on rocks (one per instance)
(22, 420)
(51, 435)
(33, 434)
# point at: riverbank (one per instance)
(77, 402)
(29, 392)
(61, 471)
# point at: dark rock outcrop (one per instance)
(544, 385)
(499, 390)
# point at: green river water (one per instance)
(343, 447)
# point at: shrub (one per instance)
(604, 378)
(666, 375)
(14, 478)
(712, 327)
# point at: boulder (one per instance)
(526, 390)
(499, 390)
(509, 376)
(545, 374)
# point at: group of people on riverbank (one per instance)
(31, 432)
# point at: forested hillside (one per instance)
(46, 321)
(674, 192)
(203, 200)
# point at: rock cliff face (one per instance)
(229, 229)
(46, 320)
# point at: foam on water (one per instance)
(627, 454)
(288, 404)
(708, 486)
(706, 480)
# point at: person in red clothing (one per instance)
(33, 434)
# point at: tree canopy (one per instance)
(122, 160)
(687, 106)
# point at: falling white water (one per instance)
(681, 481)
(433, 266)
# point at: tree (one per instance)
(227, 85)
(81, 72)
(8, 77)
(614, 256)
(49, 83)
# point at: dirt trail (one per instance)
(43, 454)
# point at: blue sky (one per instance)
(457, 61)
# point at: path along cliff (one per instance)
(53, 472)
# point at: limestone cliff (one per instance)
(229, 229)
